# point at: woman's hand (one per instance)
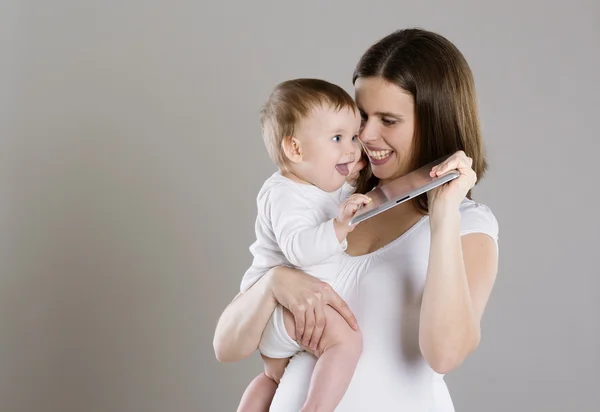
(451, 194)
(306, 296)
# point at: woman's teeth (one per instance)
(379, 154)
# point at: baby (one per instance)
(310, 128)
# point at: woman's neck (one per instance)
(378, 231)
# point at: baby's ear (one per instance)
(292, 149)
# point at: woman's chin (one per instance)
(388, 171)
(383, 172)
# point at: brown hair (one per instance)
(436, 74)
(291, 101)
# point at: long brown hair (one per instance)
(436, 74)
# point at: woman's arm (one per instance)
(240, 327)
(242, 322)
(460, 276)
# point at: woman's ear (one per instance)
(292, 149)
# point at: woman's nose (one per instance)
(367, 133)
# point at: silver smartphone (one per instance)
(402, 189)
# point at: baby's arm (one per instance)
(304, 238)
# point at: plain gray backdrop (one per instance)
(130, 159)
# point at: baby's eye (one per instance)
(336, 138)
(355, 138)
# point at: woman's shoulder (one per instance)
(478, 218)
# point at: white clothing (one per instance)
(384, 290)
(275, 342)
(294, 227)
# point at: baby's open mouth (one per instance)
(343, 168)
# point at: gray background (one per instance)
(130, 158)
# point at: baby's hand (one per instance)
(347, 210)
(354, 173)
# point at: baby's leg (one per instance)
(258, 395)
(338, 352)
(279, 347)
(274, 368)
(260, 392)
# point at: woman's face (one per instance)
(387, 126)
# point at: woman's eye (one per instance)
(388, 122)
(336, 138)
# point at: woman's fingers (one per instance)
(458, 160)
(308, 326)
(471, 178)
(335, 301)
(319, 326)
(306, 296)
(299, 316)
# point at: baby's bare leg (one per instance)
(338, 352)
(259, 394)
(274, 368)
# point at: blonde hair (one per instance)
(290, 102)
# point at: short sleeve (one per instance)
(478, 218)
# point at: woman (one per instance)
(417, 278)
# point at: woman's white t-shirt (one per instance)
(384, 290)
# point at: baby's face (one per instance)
(329, 145)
